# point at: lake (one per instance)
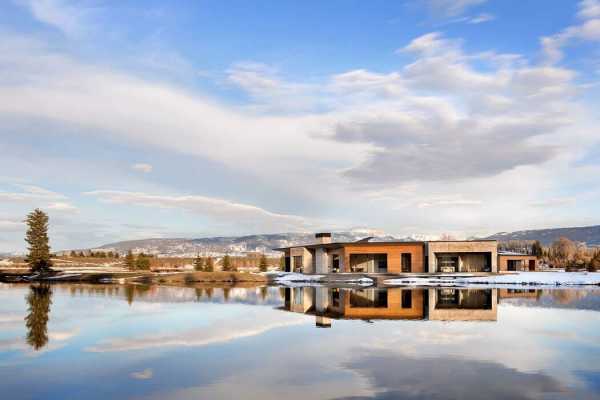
(80, 341)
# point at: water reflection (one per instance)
(206, 342)
(446, 304)
(39, 300)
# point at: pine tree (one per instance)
(130, 261)
(198, 263)
(262, 265)
(537, 249)
(226, 263)
(142, 262)
(37, 238)
(209, 264)
(73, 254)
(594, 265)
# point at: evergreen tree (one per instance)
(130, 261)
(263, 265)
(37, 239)
(142, 262)
(227, 263)
(81, 254)
(73, 253)
(209, 264)
(537, 249)
(198, 263)
(594, 265)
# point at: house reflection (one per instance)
(451, 304)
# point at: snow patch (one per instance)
(521, 278)
(296, 277)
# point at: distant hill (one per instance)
(231, 244)
(587, 234)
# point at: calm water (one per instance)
(94, 341)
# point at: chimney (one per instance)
(323, 237)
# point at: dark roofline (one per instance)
(344, 244)
(461, 241)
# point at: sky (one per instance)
(129, 120)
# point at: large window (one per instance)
(447, 263)
(335, 263)
(406, 262)
(368, 262)
(514, 265)
(297, 263)
(407, 299)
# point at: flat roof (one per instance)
(335, 245)
(342, 244)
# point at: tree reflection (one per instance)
(39, 300)
(226, 294)
(129, 293)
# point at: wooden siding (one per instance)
(394, 306)
(394, 252)
(504, 258)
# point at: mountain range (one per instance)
(589, 235)
(265, 243)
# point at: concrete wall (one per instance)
(462, 247)
(307, 259)
(503, 262)
(394, 254)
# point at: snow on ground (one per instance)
(521, 278)
(295, 277)
(363, 281)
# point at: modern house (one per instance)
(443, 304)
(509, 261)
(365, 256)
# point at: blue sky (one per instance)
(130, 120)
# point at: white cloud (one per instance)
(30, 193)
(481, 18)
(11, 226)
(589, 9)
(587, 30)
(451, 8)
(143, 375)
(69, 16)
(554, 202)
(62, 206)
(449, 202)
(219, 210)
(219, 332)
(142, 167)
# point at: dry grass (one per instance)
(193, 277)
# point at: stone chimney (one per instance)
(323, 237)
